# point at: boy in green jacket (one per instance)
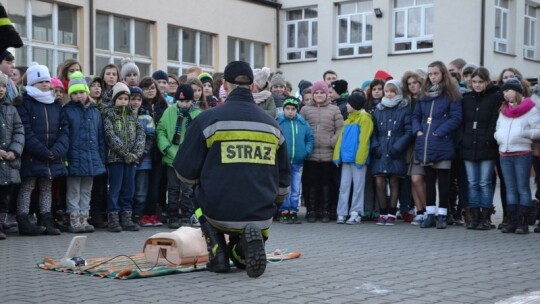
(171, 132)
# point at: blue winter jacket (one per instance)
(438, 118)
(299, 137)
(391, 138)
(86, 155)
(45, 132)
(150, 131)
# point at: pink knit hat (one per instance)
(319, 86)
(56, 83)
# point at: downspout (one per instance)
(91, 51)
(482, 32)
(278, 38)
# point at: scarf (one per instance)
(390, 102)
(434, 91)
(518, 110)
(261, 96)
(43, 97)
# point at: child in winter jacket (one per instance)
(142, 176)
(517, 126)
(86, 154)
(352, 152)
(171, 132)
(125, 145)
(11, 148)
(300, 140)
(46, 144)
(391, 137)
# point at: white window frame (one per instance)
(355, 46)
(113, 55)
(529, 41)
(30, 43)
(502, 43)
(251, 62)
(423, 37)
(180, 65)
(312, 45)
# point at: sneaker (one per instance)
(146, 221)
(154, 219)
(254, 253)
(294, 218)
(381, 221)
(418, 220)
(340, 220)
(284, 218)
(390, 220)
(354, 218)
(194, 221)
(408, 217)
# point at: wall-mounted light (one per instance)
(378, 13)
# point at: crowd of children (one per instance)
(101, 148)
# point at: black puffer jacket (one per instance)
(480, 113)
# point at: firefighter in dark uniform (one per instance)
(236, 156)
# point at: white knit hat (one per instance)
(37, 73)
(128, 66)
(260, 77)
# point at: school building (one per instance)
(303, 38)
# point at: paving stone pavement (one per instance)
(362, 263)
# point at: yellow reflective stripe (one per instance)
(5, 21)
(233, 135)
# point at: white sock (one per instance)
(431, 209)
(443, 211)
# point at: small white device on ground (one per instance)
(73, 258)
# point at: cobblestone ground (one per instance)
(361, 263)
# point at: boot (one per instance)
(174, 217)
(236, 252)
(98, 219)
(26, 228)
(475, 215)
(467, 218)
(83, 219)
(531, 218)
(218, 257)
(253, 249)
(75, 223)
(3, 218)
(537, 229)
(429, 221)
(512, 215)
(483, 223)
(48, 221)
(523, 219)
(441, 221)
(114, 222)
(490, 212)
(61, 221)
(504, 222)
(127, 223)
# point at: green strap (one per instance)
(5, 21)
(198, 213)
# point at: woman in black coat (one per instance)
(477, 146)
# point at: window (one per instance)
(355, 28)
(301, 34)
(501, 26)
(50, 35)
(529, 39)
(189, 48)
(119, 37)
(251, 52)
(413, 26)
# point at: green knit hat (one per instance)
(77, 83)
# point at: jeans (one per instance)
(142, 179)
(351, 175)
(121, 187)
(291, 202)
(517, 174)
(480, 178)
